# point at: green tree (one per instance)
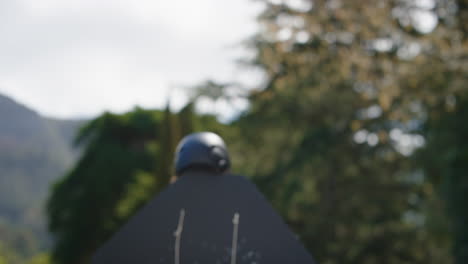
(83, 206)
(8, 255)
(170, 136)
(445, 159)
(42, 258)
(351, 89)
(126, 160)
(330, 128)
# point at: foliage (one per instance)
(338, 118)
(42, 258)
(445, 160)
(352, 90)
(127, 159)
(7, 255)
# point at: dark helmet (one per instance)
(202, 150)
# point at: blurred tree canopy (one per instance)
(357, 136)
(350, 88)
(128, 158)
(445, 160)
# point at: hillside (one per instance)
(34, 151)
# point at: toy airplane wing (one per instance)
(205, 218)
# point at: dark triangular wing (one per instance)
(209, 204)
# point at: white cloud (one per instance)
(81, 57)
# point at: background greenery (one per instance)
(357, 136)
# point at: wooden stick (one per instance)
(178, 235)
(235, 221)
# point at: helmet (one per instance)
(202, 150)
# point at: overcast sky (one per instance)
(77, 58)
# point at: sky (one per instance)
(78, 58)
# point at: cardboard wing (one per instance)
(205, 218)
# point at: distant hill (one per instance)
(34, 151)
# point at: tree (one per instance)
(126, 160)
(41, 258)
(446, 162)
(352, 90)
(341, 96)
(84, 205)
(444, 156)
